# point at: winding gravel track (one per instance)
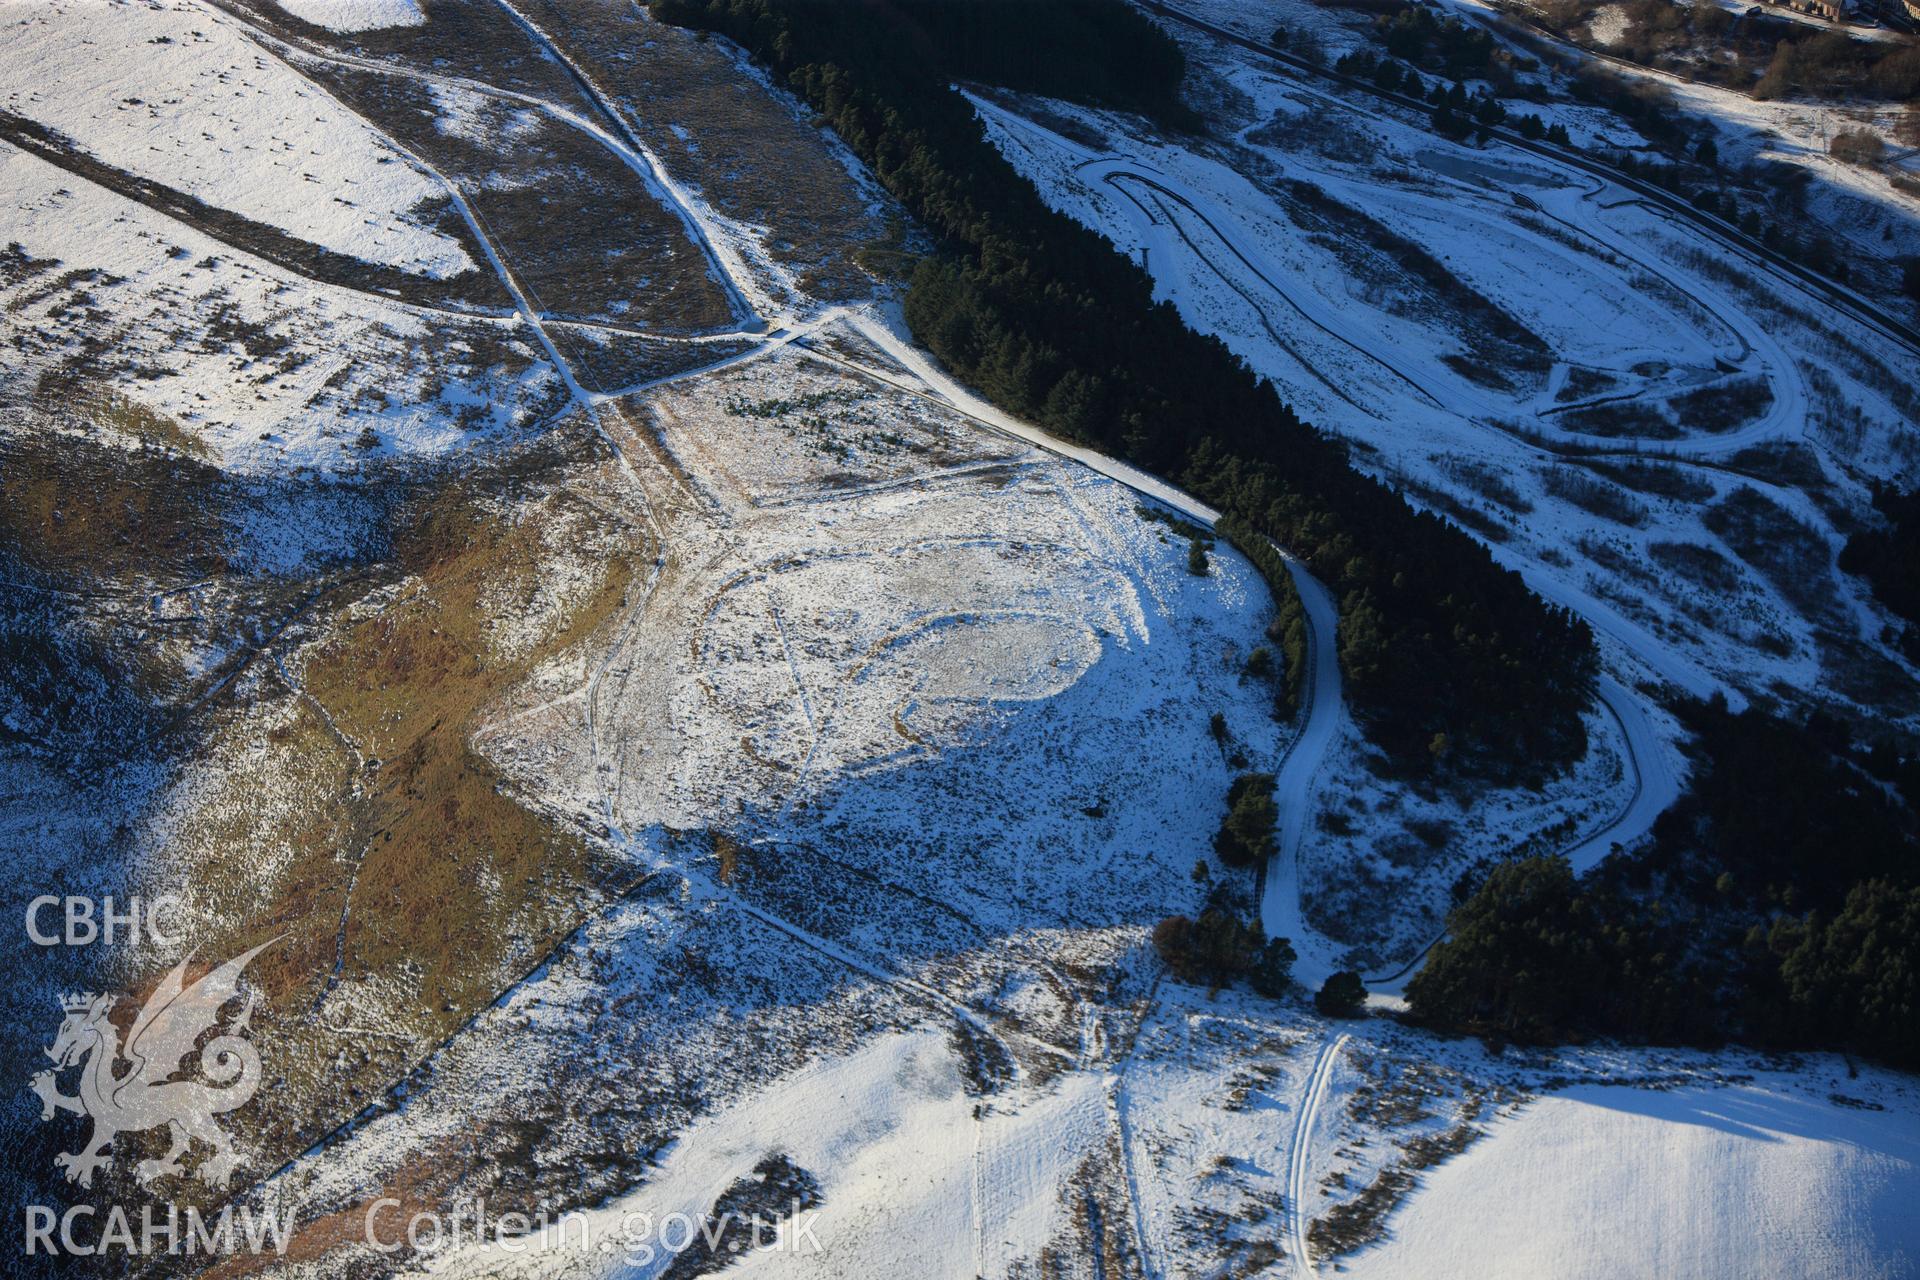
(1232, 255)
(1653, 784)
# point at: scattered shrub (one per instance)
(1245, 838)
(1594, 495)
(1856, 146)
(1220, 948)
(1702, 566)
(1722, 408)
(1342, 996)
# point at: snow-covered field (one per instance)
(260, 369)
(1746, 1179)
(1226, 1138)
(1488, 382)
(1573, 1163)
(871, 612)
(357, 15)
(915, 1174)
(174, 94)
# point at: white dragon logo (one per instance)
(140, 1095)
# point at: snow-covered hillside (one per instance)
(472, 511)
(1617, 331)
(261, 369)
(1749, 1179)
(356, 15)
(174, 94)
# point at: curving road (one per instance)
(1157, 209)
(1167, 210)
(1322, 712)
(1653, 783)
(1163, 211)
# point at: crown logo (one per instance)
(78, 1002)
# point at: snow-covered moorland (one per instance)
(175, 95)
(693, 752)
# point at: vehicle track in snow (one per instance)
(727, 272)
(1281, 910)
(1300, 1154)
(1280, 904)
(594, 405)
(1115, 180)
(1652, 783)
(1434, 384)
